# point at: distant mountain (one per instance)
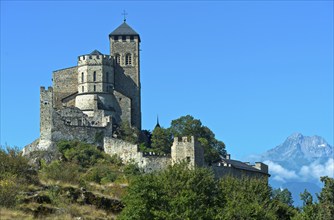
(298, 163)
(298, 150)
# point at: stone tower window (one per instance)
(82, 77)
(94, 76)
(107, 76)
(118, 58)
(82, 89)
(131, 38)
(94, 88)
(115, 37)
(128, 59)
(123, 38)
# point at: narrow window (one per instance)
(94, 76)
(131, 38)
(82, 88)
(128, 59)
(123, 38)
(115, 37)
(94, 88)
(82, 77)
(118, 58)
(188, 159)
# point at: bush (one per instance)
(101, 173)
(81, 153)
(62, 171)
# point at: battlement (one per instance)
(42, 89)
(148, 154)
(95, 59)
(181, 140)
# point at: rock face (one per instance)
(298, 150)
(298, 163)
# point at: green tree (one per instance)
(326, 198)
(283, 195)
(128, 133)
(246, 198)
(189, 126)
(161, 140)
(175, 193)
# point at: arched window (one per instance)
(94, 76)
(118, 58)
(82, 77)
(128, 59)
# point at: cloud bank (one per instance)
(311, 172)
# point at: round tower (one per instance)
(95, 83)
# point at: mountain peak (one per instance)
(300, 148)
(296, 135)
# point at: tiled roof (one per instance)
(96, 52)
(124, 29)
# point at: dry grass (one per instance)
(6, 214)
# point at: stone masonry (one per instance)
(88, 101)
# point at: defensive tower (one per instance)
(124, 47)
(95, 84)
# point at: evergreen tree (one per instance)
(161, 140)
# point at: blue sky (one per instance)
(254, 72)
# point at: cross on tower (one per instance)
(124, 14)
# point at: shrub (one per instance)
(101, 173)
(63, 171)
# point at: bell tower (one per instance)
(124, 47)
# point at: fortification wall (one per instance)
(72, 124)
(65, 84)
(124, 107)
(129, 153)
(46, 123)
(187, 149)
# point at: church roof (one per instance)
(96, 52)
(124, 29)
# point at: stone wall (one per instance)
(72, 124)
(129, 153)
(221, 171)
(65, 84)
(189, 150)
(127, 77)
(46, 109)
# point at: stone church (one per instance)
(88, 101)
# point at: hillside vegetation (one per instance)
(82, 182)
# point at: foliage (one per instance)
(175, 193)
(15, 175)
(326, 198)
(246, 198)
(283, 196)
(81, 153)
(128, 133)
(189, 126)
(103, 173)
(64, 171)
(161, 140)
(324, 209)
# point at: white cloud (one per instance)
(315, 170)
(309, 173)
(280, 173)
